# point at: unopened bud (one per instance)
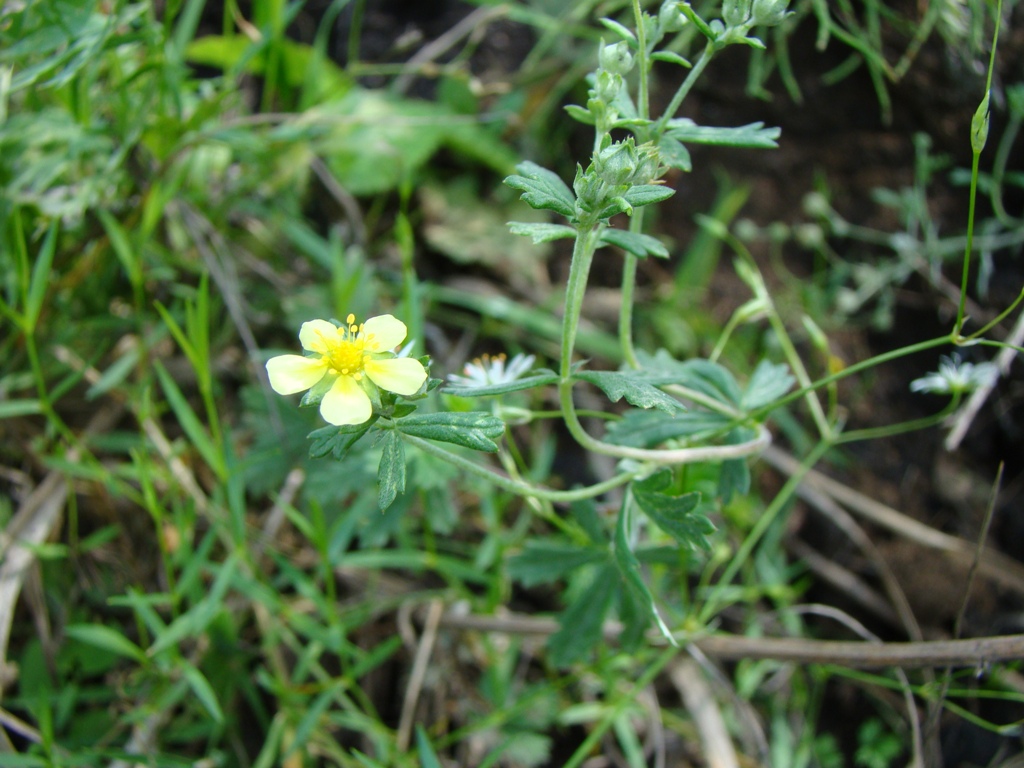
(768, 13)
(670, 18)
(735, 12)
(617, 163)
(616, 58)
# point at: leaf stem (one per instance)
(518, 487)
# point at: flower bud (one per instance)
(816, 205)
(617, 163)
(616, 58)
(670, 18)
(735, 12)
(607, 86)
(768, 13)
(589, 188)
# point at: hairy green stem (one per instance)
(582, 257)
(657, 455)
(863, 365)
(912, 425)
(518, 487)
(684, 90)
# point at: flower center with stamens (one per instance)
(346, 355)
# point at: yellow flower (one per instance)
(355, 357)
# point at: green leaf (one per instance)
(40, 278)
(543, 561)
(580, 114)
(582, 623)
(373, 140)
(674, 154)
(632, 386)
(768, 382)
(391, 471)
(204, 692)
(705, 377)
(629, 569)
(107, 639)
(735, 474)
(539, 378)
(470, 430)
(428, 758)
(671, 57)
(542, 188)
(10, 409)
(590, 520)
(645, 194)
(541, 232)
(189, 421)
(634, 242)
(623, 32)
(676, 515)
(646, 429)
(337, 440)
(752, 135)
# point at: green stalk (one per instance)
(582, 257)
(979, 132)
(518, 487)
(684, 90)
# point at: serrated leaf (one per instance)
(391, 470)
(337, 440)
(751, 135)
(543, 561)
(585, 513)
(632, 386)
(645, 194)
(470, 430)
(539, 378)
(768, 382)
(581, 624)
(676, 515)
(646, 429)
(540, 232)
(543, 189)
(704, 376)
(674, 154)
(634, 242)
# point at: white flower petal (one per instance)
(346, 403)
(293, 373)
(383, 333)
(401, 375)
(315, 333)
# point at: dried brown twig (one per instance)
(973, 652)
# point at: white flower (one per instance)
(488, 371)
(955, 377)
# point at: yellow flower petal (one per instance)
(384, 332)
(316, 334)
(401, 375)
(346, 403)
(293, 373)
